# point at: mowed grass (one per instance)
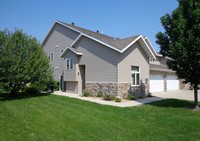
(58, 118)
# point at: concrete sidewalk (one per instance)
(178, 94)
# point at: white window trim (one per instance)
(73, 65)
(135, 77)
(51, 59)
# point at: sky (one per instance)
(116, 18)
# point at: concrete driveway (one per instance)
(178, 94)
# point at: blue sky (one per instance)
(117, 18)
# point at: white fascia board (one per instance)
(76, 40)
(68, 48)
(151, 46)
(162, 70)
(131, 43)
(146, 45)
(61, 56)
(160, 55)
(47, 35)
(103, 43)
(77, 53)
(148, 48)
(68, 27)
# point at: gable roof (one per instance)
(72, 49)
(163, 68)
(116, 44)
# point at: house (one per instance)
(84, 59)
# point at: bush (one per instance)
(86, 93)
(32, 89)
(42, 87)
(149, 94)
(117, 99)
(130, 96)
(108, 97)
(46, 87)
(99, 94)
(56, 85)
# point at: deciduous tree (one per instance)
(22, 61)
(181, 42)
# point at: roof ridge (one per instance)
(75, 26)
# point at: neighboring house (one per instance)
(83, 59)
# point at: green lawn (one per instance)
(52, 117)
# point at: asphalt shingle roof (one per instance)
(115, 42)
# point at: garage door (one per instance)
(156, 83)
(72, 87)
(172, 83)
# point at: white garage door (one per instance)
(172, 83)
(156, 83)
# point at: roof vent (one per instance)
(97, 31)
(116, 38)
(73, 23)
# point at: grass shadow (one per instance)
(173, 103)
(20, 95)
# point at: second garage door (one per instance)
(172, 83)
(156, 83)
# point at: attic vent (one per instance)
(73, 23)
(116, 38)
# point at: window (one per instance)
(51, 56)
(70, 63)
(135, 75)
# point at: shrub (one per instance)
(86, 93)
(56, 85)
(130, 96)
(108, 97)
(32, 89)
(117, 99)
(99, 94)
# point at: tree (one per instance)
(22, 61)
(181, 42)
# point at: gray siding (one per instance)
(134, 56)
(70, 75)
(160, 61)
(100, 61)
(62, 37)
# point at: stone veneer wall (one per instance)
(120, 89)
(142, 90)
(110, 88)
(123, 89)
(184, 86)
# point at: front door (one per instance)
(82, 73)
